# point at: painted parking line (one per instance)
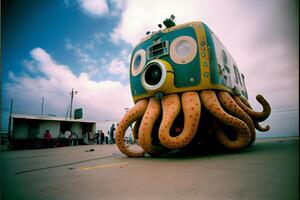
(102, 166)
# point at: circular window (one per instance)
(183, 49)
(138, 62)
(154, 75)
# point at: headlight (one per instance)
(138, 62)
(154, 75)
(183, 49)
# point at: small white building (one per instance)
(26, 127)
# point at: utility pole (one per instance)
(72, 96)
(42, 111)
(10, 116)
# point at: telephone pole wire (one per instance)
(72, 96)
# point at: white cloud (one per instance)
(99, 37)
(115, 36)
(99, 100)
(96, 65)
(100, 8)
(125, 55)
(30, 65)
(118, 67)
(89, 64)
(117, 6)
(94, 7)
(11, 76)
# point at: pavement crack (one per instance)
(63, 165)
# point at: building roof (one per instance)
(49, 118)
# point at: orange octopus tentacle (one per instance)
(146, 126)
(211, 103)
(256, 124)
(260, 128)
(230, 105)
(245, 101)
(191, 106)
(131, 116)
(256, 116)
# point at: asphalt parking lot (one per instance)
(267, 170)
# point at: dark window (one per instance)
(236, 72)
(224, 57)
(243, 78)
(237, 75)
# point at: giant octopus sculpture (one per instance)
(187, 89)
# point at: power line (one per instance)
(286, 118)
(287, 110)
(284, 108)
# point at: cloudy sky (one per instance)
(50, 47)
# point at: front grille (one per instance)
(157, 50)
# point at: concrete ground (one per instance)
(267, 170)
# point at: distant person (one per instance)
(101, 137)
(67, 136)
(47, 137)
(111, 134)
(96, 137)
(74, 139)
(91, 137)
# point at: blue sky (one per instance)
(50, 47)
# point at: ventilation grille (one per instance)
(157, 50)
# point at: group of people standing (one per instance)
(99, 136)
(70, 137)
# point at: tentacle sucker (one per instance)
(131, 116)
(191, 106)
(256, 116)
(146, 127)
(211, 103)
(230, 106)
